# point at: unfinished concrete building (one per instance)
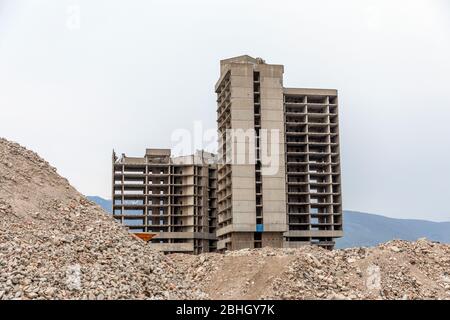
(171, 199)
(298, 203)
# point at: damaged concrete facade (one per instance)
(301, 202)
(285, 194)
(172, 199)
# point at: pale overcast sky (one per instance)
(134, 71)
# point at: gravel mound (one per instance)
(394, 270)
(55, 244)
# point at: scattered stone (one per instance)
(56, 244)
(420, 271)
(395, 249)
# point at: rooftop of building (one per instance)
(162, 156)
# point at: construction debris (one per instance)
(394, 270)
(55, 244)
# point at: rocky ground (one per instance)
(394, 270)
(55, 244)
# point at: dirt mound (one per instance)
(394, 270)
(55, 244)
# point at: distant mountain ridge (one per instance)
(366, 229)
(104, 203)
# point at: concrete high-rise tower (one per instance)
(279, 163)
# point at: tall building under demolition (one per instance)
(173, 200)
(301, 202)
(202, 203)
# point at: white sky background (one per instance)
(135, 71)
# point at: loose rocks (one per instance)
(55, 244)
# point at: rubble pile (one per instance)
(393, 270)
(55, 244)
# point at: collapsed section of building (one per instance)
(169, 200)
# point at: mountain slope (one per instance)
(105, 204)
(367, 230)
